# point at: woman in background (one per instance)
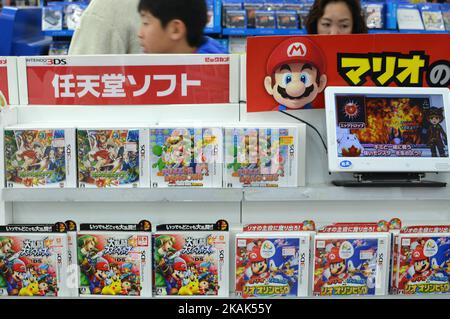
(336, 17)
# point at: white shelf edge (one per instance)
(123, 195)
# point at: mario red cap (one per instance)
(255, 255)
(333, 256)
(19, 266)
(418, 254)
(102, 264)
(180, 266)
(296, 50)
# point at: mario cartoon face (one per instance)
(258, 263)
(419, 260)
(295, 73)
(337, 264)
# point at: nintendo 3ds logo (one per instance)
(345, 164)
(296, 49)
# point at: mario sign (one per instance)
(291, 73)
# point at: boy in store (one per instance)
(175, 26)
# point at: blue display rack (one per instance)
(217, 28)
(21, 32)
(256, 32)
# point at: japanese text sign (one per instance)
(129, 80)
(287, 73)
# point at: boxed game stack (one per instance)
(39, 157)
(273, 260)
(408, 17)
(115, 259)
(186, 156)
(191, 260)
(352, 259)
(264, 156)
(112, 157)
(34, 261)
(423, 262)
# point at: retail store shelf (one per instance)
(325, 192)
(250, 32)
(122, 195)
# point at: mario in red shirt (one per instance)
(295, 73)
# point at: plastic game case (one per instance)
(236, 19)
(272, 264)
(423, 264)
(191, 263)
(52, 18)
(433, 20)
(114, 263)
(287, 20)
(39, 157)
(351, 264)
(446, 18)
(260, 157)
(111, 157)
(33, 264)
(374, 16)
(265, 19)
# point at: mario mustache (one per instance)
(285, 95)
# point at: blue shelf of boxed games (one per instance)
(256, 32)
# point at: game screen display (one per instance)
(391, 126)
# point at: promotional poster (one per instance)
(291, 73)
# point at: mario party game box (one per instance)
(33, 260)
(191, 260)
(39, 157)
(186, 156)
(352, 263)
(112, 157)
(115, 259)
(423, 263)
(273, 263)
(263, 156)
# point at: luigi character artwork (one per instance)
(295, 73)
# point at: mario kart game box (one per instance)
(115, 259)
(39, 157)
(263, 156)
(186, 156)
(423, 263)
(112, 157)
(352, 262)
(273, 260)
(33, 260)
(191, 260)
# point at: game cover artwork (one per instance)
(424, 265)
(267, 267)
(29, 265)
(108, 158)
(345, 267)
(259, 157)
(113, 264)
(186, 157)
(391, 127)
(189, 264)
(35, 158)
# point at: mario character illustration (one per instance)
(258, 266)
(175, 281)
(295, 73)
(436, 138)
(336, 271)
(98, 276)
(15, 276)
(420, 265)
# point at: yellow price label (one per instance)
(286, 140)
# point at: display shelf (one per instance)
(251, 32)
(123, 195)
(328, 192)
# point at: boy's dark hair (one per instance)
(318, 9)
(193, 13)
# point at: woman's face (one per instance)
(337, 19)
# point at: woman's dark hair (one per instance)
(318, 8)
